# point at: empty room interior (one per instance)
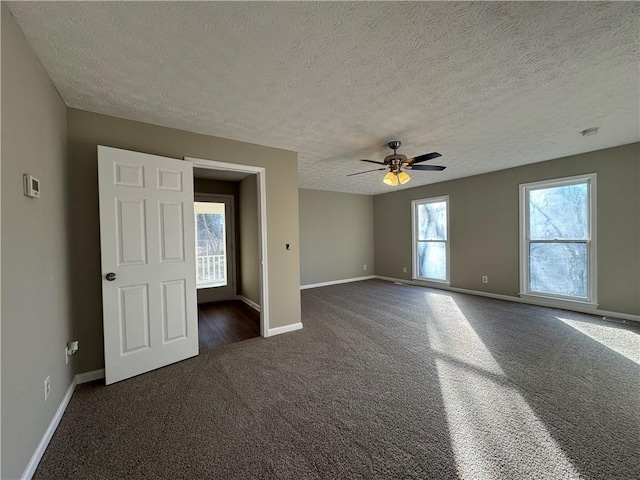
(320, 240)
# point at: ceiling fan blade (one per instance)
(422, 158)
(435, 168)
(374, 170)
(373, 161)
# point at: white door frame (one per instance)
(262, 226)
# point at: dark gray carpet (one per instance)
(383, 382)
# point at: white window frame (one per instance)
(414, 240)
(228, 200)
(556, 299)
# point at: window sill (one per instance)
(556, 302)
(210, 285)
(427, 282)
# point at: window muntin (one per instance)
(431, 239)
(557, 247)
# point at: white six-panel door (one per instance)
(148, 241)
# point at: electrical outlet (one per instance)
(485, 279)
(404, 269)
(47, 388)
(365, 268)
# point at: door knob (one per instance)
(110, 276)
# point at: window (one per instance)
(211, 245)
(557, 239)
(431, 239)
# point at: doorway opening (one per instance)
(230, 222)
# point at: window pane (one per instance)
(558, 268)
(210, 244)
(432, 260)
(559, 212)
(432, 221)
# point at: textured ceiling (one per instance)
(489, 85)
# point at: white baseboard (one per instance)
(284, 329)
(48, 434)
(251, 303)
(508, 298)
(89, 376)
(336, 282)
(55, 421)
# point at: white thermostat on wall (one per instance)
(31, 186)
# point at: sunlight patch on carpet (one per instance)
(494, 432)
(612, 336)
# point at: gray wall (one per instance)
(220, 187)
(87, 130)
(336, 236)
(36, 321)
(249, 285)
(484, 225)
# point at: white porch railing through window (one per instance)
(211, 269)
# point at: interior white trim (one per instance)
(89, 376)
(285, 329)
(48, 434)
(233, 247)
(262, 227)
(557, 302)
(592, 259)
(541, 303)
(414, 239)
(251, 303)
(55, 421)
(336, 282)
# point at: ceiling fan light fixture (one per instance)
(396, 162)
(403, 177)
(390, 179)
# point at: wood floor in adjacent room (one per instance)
(222, 323)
